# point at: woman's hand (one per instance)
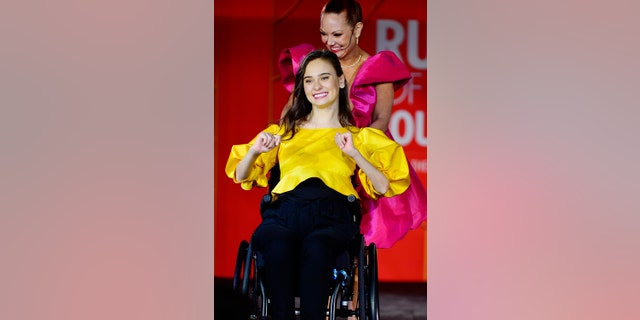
(345, 143)
(378, 179)
(265, 142)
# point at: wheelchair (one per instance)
(359, 261)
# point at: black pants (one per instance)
(299, 241)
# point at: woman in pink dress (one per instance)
(372, 81)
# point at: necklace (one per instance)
(357, 61)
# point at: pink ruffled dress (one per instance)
(386, 220)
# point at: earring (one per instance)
(357, 39)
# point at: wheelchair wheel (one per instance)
(334, 302)
(368, 298)
(247, 282)
(372, 275)
(239, 274)
(362, 281)
(342, 293)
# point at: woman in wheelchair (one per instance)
(313, 217)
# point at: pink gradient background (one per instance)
(106, 161)
(533, 155)
(106, 168)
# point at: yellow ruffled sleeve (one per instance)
(387, 156)
(261, 167)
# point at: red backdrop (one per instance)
(248, 36)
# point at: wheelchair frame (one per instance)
(363, 264)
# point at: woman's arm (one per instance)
(378, 179)
(384, 105)
(265, 142)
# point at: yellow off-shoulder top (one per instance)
(313, 153)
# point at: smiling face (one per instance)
(337, 34)
(321, 83)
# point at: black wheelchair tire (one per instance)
(374, 300)
(362, 281)
(238, 274)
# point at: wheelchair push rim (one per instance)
(239, 274)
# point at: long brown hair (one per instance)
(301, 107)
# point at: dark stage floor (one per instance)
(403, 301)
(398, 301)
